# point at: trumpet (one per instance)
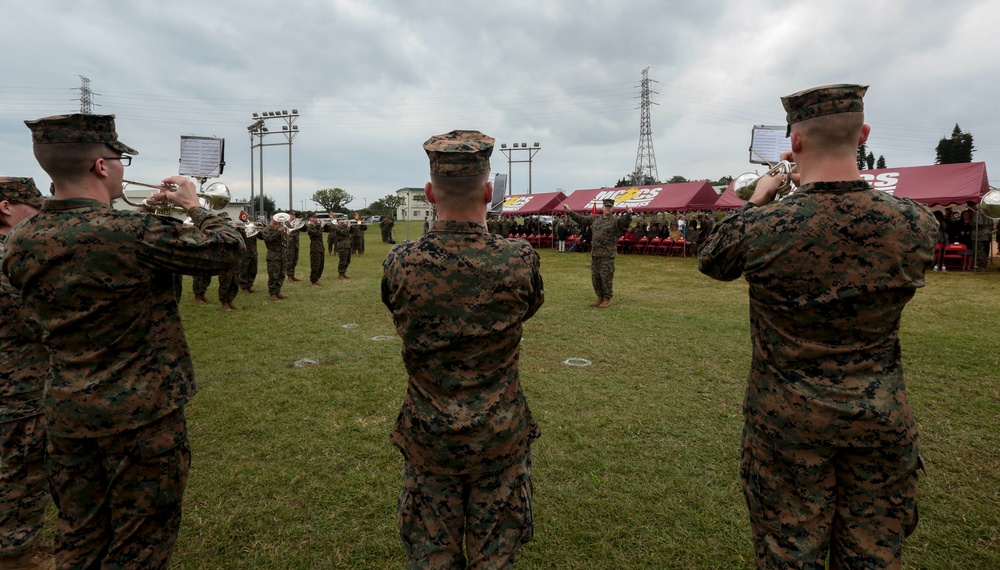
(215, 197)
(745, 184)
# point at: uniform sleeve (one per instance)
(580, 219)
(208, 246)
(537, 295)
(723, 254)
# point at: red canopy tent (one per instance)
(939, 184)
(728, 200)
(682, 197)
(532, 204)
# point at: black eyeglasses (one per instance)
(125, 159)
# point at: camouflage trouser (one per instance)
(178, 286)
(248, 271)
(316, 263)
(855, 504)
(602, 274)
(201, 283)
(982, 253)
(228, 285)
(331, 241)
(24, 490)
(119, 496)
(344, 255)
(275, 275)
(291, 259)
(490, 512)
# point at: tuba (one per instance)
(745, 184)
(215, 197)
(990, 204)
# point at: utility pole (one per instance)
(645, 160)
(86, 97)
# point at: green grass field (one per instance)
(637, 466)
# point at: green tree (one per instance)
(269, 207)
(870, 160)
(333, 199)
(881, 162)
(956, 149)
(862, 156)
(677, 179)
(387, 206)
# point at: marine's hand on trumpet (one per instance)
(179, 191)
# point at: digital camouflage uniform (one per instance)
(358, 238)
(603, 249)
(275, 241)
(229, 280)
(248, 265)
(292, 254)
(830, 450)
(459, 297)
(100, 284)
(24, 367)
(982, 235)
(342, 233)
(316, 259)
(384, 226)
(200, 285)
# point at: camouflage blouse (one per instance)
(99, 282)
(459, 297)
(24, 362)
(605, 231)
(830, 269)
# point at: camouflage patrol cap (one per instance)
(77, 128)
(825, 100)
(608, 202)
(20, 190)
(459, 153)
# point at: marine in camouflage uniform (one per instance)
(606, 229)
(315, 231)
(292, 252)
(982, 235)
(229, 280)
(342, 233)
(275, 240)
(358, 238)
(830, 456)
(24, 367)
(98, 281)
(465, 429)
(248, 265)
(384, 227)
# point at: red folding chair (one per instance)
(620, 244)
(640, 246)
(652, 246)
(956, 256)
(665, 245)
(679, 248)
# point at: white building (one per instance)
(415, 205)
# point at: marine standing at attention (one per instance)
(605, 230)
(459, 297)
(99, 282)
(830, 456)
(24, 367)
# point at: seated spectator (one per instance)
(675, 232)
(630, 240)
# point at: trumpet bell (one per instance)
(990, 204)
(216, 196)
(746, 184)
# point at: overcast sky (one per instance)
(373, 79)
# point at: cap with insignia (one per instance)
(459, 153)
(77, 128)
(609, 202)
(825, 100)
(20, 190)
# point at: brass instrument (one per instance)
(990, 204)
(215, 197)
(252, 228)
(746, 184)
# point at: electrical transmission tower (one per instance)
(645, 160)
(86, 97)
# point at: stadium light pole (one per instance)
(531, 151)
(289, 130)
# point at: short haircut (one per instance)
(68, 162)
(838, 132)
(459, 189)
